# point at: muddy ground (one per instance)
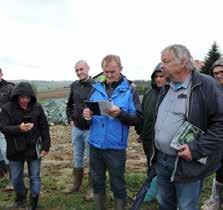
(56, 169)
(59, 158)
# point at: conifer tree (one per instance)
(211, 57)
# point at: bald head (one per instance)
(82, 69)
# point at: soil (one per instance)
(53, 94)
(60, 156)
(56, 167)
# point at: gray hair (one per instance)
(180, 53)
(82, 62)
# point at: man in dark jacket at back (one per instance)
(24, 124)
(79, 92)
(5, 92)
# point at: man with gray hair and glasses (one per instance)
(192, 101)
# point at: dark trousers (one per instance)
(219, 173)
(112, 160)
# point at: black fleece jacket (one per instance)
(22, 145)
(79, 92)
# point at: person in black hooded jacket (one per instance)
(158, 79)
(23, 122)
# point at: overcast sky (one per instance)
(42, 39)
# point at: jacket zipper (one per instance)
(187, 117)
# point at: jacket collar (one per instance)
(196, 78)
(85, 83)
(100, 86)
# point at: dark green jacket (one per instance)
(149, 109)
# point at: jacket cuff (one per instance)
(47, 149)
(121, 115)
(194, 152)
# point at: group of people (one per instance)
(180, 95)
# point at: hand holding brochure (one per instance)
(186, 134)
(99, 108)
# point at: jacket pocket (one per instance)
(117, 135)
(189, 170)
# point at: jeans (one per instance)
(17, 170)
(3, 149)
(172, 194)
(80, 146)
(114, 161)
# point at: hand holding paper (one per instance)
(114, 111)
(106, 108)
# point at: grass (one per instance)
(53, 198)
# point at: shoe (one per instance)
(78, 174)
(90, 193)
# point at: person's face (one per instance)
(24, 101)
(170, 67)
(218, 74)
(112, 71)
(160, 79)
(81, 70)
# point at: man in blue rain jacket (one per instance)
(109, 133)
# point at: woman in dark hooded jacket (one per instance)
(23, 122)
